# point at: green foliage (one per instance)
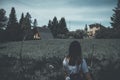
(111, 71)
(78, 34)
(55, 27)
(27, 22)
(103, 33)
(25, 26)
(86, 28)
(58, 29)
(116, 17)
(50, 25)
(63, 27)
(38, 55)
(21, 26)
(12, 23)
(35, 23)
(116, 21)
(3, 24)
(3, 19)
(12, 27)
(31, 69)
(21, 22)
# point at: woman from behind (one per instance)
(75, 67)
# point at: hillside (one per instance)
(39, 54)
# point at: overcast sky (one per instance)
(76, 12)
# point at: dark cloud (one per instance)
(92, 3)
(60, 3)
(77, 12)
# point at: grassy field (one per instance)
(37, 55)
(36, 49)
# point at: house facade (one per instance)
(93, 28)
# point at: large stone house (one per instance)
(93, 28)
(42, 33)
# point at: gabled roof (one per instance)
(95, 25)
(44, 33)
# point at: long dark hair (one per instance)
(75, 53)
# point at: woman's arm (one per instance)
(65, 69)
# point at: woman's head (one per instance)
(75, 52)
(75, 49)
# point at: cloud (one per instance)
(76, 12)
(92, 3)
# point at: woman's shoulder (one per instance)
(66, 61)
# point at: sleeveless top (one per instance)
(74, 69)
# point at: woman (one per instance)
(75, 67)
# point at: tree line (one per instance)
(13, 30)
(58, 28)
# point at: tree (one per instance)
(3, 19)
(22, 25)
(116, 21)
(27, 27)
(59, 30)
(12, 27)
(50, 24)
(3, 23)
(12, 23)
(85, 31)
(27, 22)
(21, 22)
(79, 34)
(62, 26)
(116, 17)
(86, 28)
(35, 23)
(54, 28)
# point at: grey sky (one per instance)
(76, 12)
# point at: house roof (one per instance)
(45, 33)
(95, 25)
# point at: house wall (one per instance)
(92, 31)
(36, 36)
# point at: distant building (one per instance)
(42, 33)
(93, 28)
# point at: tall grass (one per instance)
(38, 55)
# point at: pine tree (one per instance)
(62, 26)
(27, 27)
(3, 19)
(86, 28)
(27, 22)
(50, 24)
(35, 23)
(12, 27)
(116, 17)
(21, 22)
(55, 27)
(22, 25)
(12, 23)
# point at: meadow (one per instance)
(33, 59)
